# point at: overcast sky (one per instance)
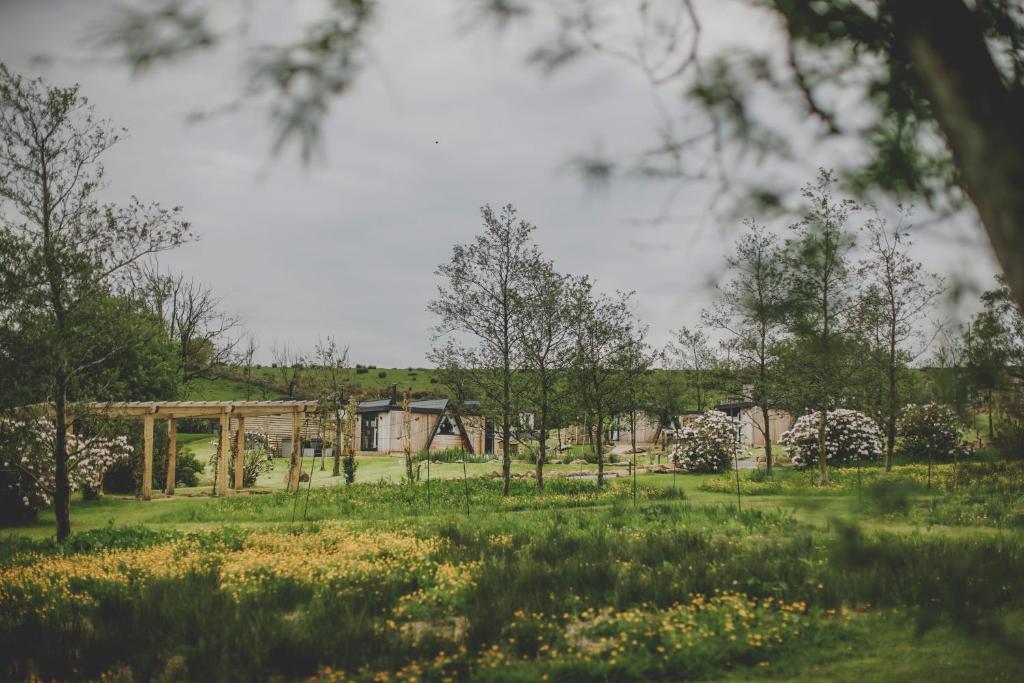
(443, 121)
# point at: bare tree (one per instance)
(897, 298)
(205, 336)
(288, 368)
(483, 296)
(752, 309)
(332, 392)
(247, 357)
(691, 353)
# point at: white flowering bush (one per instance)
(850, 436)
(929, 430)
(28, 471)
(708, 444)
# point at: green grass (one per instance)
(573, 583)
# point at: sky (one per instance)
(442, 120)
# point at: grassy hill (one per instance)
(267, 383)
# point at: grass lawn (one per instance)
(874, 579)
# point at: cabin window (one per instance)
(448, 427)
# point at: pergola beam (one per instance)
(224, 411)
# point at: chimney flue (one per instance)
(394, 393)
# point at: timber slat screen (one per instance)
(224, 411)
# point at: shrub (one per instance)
(349, 465)
(382, 374)
(929, 431)
(450, 455)
(709, 444)
(849, 436)
(257, 460)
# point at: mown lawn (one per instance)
(388, 581)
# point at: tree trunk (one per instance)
(767, 432)
(543, 439)
(980, 117)
(336, 472)
(890, 426)
(823, 448)
(600, 454)
(62, 488)
(506, 457)
(991, 432)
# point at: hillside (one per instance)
(268, 383)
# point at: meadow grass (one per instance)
(375, 581)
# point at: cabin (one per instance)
(431, 425)
(751, 419)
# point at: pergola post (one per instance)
(172, 453)
(240, 454)
(147, 457)
(222, 456)
(296, 464)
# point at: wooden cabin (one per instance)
(432, 425)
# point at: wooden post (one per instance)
(172, 453)
(296, 464)
(240, 454)
(147, 457)
(224, 454)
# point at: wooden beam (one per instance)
(240, 454)
(147, 458)
(172, 454)
(223, 454)
(296, 465)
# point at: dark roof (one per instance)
(377, 405)
(380, 405)
(433, 405)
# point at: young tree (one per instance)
(483, 296)
(331, 390)
(69, 252)
(546, 331)
(691, 353)
(987, 347)
(248, 359)
(607, 338)
(822, 297)
(288, 367)
(898, 296)
(752, 308)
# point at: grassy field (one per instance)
(877, 578)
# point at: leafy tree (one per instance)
(608, 341)
(822, 299)
(987, 345)
(546, 330)
(663, 396)
(483, 295)
(66, 252)
(752, 308)
(897, 297)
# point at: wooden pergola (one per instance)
(224, 411)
